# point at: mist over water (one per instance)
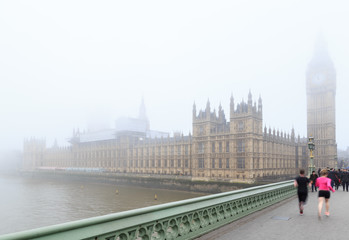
(27, 203)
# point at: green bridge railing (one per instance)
(185, 219)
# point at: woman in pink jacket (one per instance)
(324, 185)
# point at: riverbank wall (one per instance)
(184, 183)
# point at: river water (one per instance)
(28, 203)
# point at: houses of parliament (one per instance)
(237, 148)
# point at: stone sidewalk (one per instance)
(282, 221)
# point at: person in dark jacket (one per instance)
(345, 179)
(337, 180)
(331, 175)
(312, 179)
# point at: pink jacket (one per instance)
(324, 184)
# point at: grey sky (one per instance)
(64, 64)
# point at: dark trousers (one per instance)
(345, 186)
(313, 187)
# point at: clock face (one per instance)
(318, 78)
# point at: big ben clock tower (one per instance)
(321, 106)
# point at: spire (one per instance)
(321, 56)
(260, 105)
(194, 110)
(232, 107)
(249, 98)
(220, 111)
(320, 50)
(143, 114)
(208, 109)
(292, 134)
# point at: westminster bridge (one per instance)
(263, 212)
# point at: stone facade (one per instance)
(237, 150)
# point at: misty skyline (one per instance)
(67, 65)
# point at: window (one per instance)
(179, 163)
(159, 163)
(186, 163)
(241, 126)
(220, 147)
(201, 163)
(241, 163)
(186, 150)
(201, 148)
(172, 163)
(240, 145)
(213, 147)
(227, 146)
(179, 150)
(213, 163)
(165, 162)
(220, 163)
(227, 163)
(172, 150)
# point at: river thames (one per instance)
(28, 203)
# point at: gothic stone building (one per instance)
(236, 150)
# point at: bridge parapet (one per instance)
(185, 219)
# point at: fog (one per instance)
(73, 64)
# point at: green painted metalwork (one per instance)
(185, 219)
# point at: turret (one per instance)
(208, 109)
(249, 102)
(232, 107)
(260, 106)
(194, 111)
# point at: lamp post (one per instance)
(311, 146)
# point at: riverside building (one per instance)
(236, 150)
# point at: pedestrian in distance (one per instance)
(337, 180)
(331, 175)
(302, 182)
(324, 185)
(345, 179)
(312, 179)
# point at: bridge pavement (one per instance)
(283, 222)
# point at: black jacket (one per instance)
(331, 175)
(344, 177)
(313, 178)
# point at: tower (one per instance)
(246, 134)
(321, 105)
